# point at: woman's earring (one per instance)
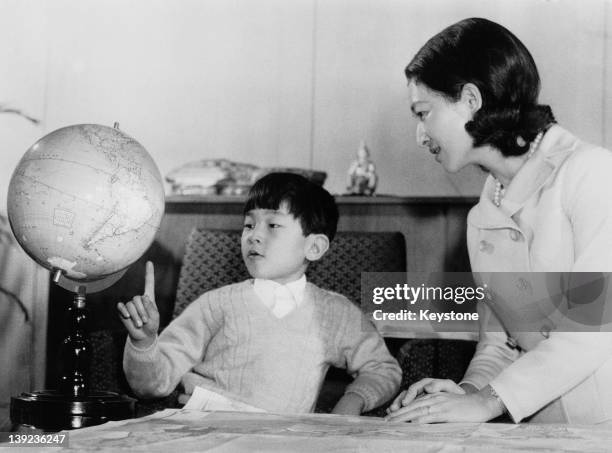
(520, 141)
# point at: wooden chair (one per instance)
(212, 259)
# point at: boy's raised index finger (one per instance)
(149, 289)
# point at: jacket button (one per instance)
(515, 235)
(486, 247)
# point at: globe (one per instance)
(86, 201)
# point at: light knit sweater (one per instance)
(227, 339)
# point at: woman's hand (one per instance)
(449, 405)
(422, 387)
(140, 315)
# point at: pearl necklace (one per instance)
(499, 187)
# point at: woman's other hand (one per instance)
(450, 404)
(422, 387)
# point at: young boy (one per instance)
(266, 342)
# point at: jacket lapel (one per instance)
(556, 146)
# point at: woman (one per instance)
(545, 207)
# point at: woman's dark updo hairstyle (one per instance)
(486, 54)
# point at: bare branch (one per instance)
(5, 109)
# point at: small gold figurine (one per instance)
(362, 177)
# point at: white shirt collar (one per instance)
(265, 290)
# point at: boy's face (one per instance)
(273, 245)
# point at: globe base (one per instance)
(49, 410)
(73, 405)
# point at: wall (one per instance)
(276, 82)
(22, 81)
(606, 95)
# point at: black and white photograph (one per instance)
(306, 225)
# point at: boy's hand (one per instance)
(140, 315)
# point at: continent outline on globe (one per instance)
(87, 199)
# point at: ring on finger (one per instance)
(125, 316)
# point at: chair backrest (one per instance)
(212, 259)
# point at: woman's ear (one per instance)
(471, 97)
(316, 246)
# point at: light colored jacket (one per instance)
(556, 216)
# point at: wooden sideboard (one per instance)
(434, 229)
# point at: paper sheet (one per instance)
(208, 400)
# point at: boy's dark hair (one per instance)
(488, 55)
(308, 202)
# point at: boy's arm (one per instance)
(155, 371)
(365, 356)
(349, 404)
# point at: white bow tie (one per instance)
(284, 302)
(280, 299)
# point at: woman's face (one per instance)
(441, 126)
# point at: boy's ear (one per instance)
(316, 246)
(471, 96)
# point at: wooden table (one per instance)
(185, 431)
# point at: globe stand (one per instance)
(73, 405)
